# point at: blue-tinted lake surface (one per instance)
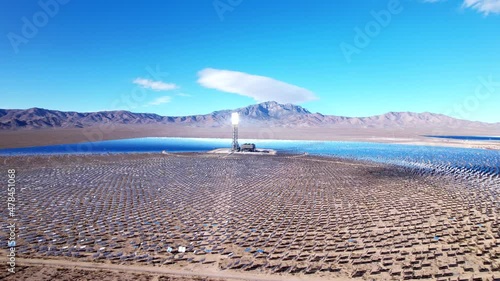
(407, 155)
(468, 138)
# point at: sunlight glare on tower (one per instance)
(235, 118)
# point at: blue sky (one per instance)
(351, 58)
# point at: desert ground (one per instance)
(38, 137)
(49, 271)
(202, 216)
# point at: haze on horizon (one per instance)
(178, 58)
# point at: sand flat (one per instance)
(53, 136)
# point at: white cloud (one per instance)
(483, 6)
(155, 85)
(183, 95)
(260, 88)
(160, 100)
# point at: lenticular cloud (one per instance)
(260, 88)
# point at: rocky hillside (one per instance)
(270, 114)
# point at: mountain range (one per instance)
(268, 114)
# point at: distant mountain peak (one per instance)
(268, 114)
(274, 104)
(36, 110)
(269, 110)
(268, 103)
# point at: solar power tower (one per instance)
(235, 120)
